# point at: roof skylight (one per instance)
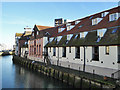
(114, 30)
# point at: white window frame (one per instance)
(113, 16)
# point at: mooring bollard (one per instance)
(54, 73)
(68, 79)
(81, 82)
(89, 84)
(74, 81)
(58, 75)
(101, 86)
(49, 72)
(62, 76)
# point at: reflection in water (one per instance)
(0, 72)
(15, 76)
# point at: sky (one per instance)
(17, 15)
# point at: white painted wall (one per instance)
(23, 51)
(100, 68)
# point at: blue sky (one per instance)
(17, 15)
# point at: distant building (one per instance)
(17, 37)
(23, 43)
(60, 21)
(38, 40)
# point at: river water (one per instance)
(15, 76)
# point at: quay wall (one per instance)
(65, 77)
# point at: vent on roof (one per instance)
(114, 30)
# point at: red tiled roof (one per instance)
(42, 27)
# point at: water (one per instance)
(15, 76)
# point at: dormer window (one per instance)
(37, 32)
(76, 22)
(100, 34)
(104, 14)
(51, 39)
(96, 21)
(59, 38)
(83, 34)
(69, 27)
(59, 29)
(113, 17)
(69, 36)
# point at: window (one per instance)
(69, 36)
(69, 49)
(50, 49)
(51, 39)
(113, 17)
(59, 29)
(96, 21)
(77, 52)
(83, 34)
(107, 50)
(104, 14)
(96, 53)
(64, 52)
(118, 54)
(100, 33)
(68, 28)
(59, 38)
(33, 34)
(76, 22)
(37, 32)
(39, 49)
(54, 51)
